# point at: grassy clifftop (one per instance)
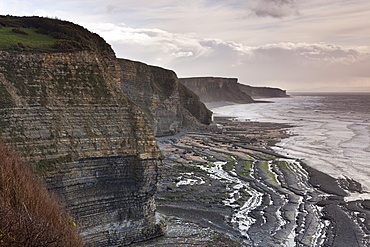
(47, 61)
(29, 39)
(46, 34)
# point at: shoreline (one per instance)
(230, 181)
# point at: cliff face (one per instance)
(216, 89)
(65, 114)
(167, 104)
(263, 92)
(192, 103)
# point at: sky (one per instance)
(297, 45)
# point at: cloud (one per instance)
(300, 65)
(274, 8)
(285, 64)
(309, 53)
(154, 46)
(292, 65)
(111, 8)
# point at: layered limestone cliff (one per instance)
(263, 92)
(216, 89)
(193, 105)
(168, 105)
(66, 115)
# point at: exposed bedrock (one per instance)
(191, 102)
(234, 179)
(67, 116)
(168, 105)
(216, 89)
(262, 92)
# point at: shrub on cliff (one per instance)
(68, 45)
(20, 31)
(29, 216)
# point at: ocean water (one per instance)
(331, 132)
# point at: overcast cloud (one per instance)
(293, 44)
(274, 8)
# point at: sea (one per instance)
(331, 131)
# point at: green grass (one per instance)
(10, 39)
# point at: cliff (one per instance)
(62, 108)
(168, 105)
(194, 107)
(216, 89)
(262, 92)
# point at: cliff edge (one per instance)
(216, 89)
(263, 92)
(169, 106)
(62, 108)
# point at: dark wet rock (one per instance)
(324, 182)
(350, 185)
(344, 232)
(366, 204)
(295, 205)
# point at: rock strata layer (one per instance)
(262, 92)
(168, 105)
(216, 89)
(67, 116)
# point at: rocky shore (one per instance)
(227, 187)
